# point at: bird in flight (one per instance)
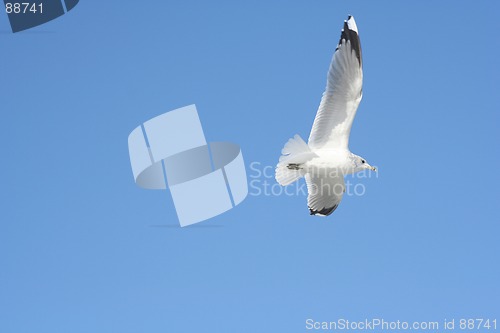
(326, 158)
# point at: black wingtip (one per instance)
(351, 35)
(324, 212)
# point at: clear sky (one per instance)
(83, 249)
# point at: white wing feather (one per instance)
(324, 193)
(343, 93)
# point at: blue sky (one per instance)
(83, 249)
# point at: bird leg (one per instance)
(293, 166)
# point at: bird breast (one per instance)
(332, 160)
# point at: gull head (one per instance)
(362, 164)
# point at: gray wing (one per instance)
(324, 192)
(343, 93)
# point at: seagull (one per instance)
(326, 158)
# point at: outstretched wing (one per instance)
(324, 192)
(341, 98)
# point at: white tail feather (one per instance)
(295, 152)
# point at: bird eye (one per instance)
(363, 161)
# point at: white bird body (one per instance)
(335, 160)
(326, 159)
